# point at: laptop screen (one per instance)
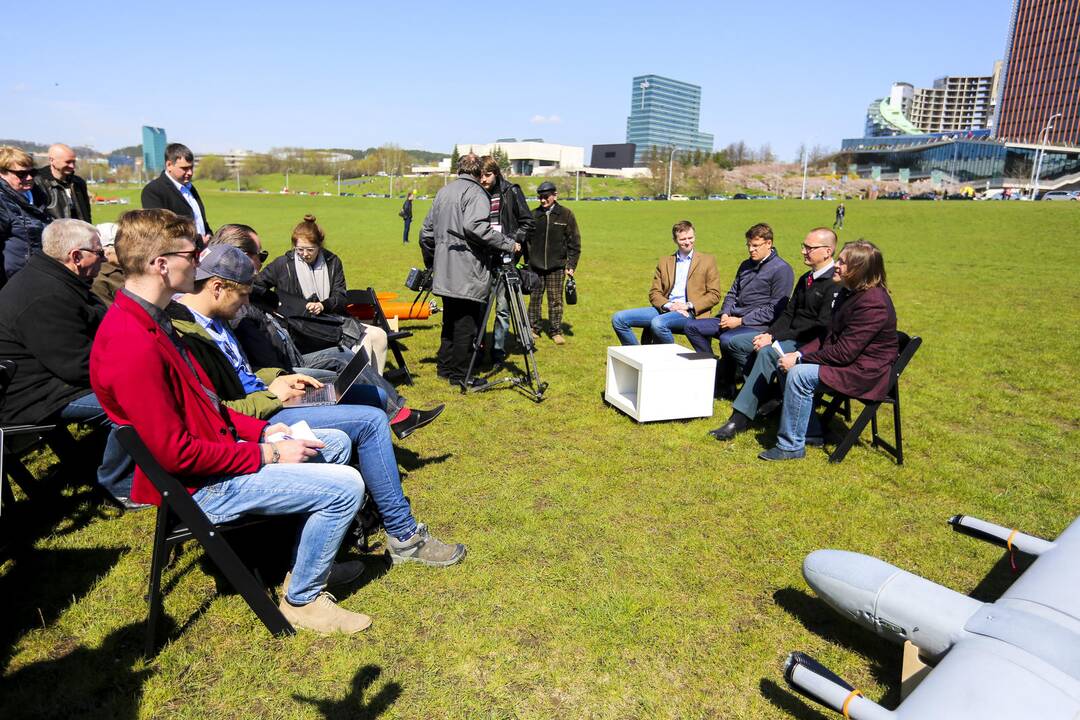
(351, 372)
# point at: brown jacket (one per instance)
(109, 280)
(702, 283)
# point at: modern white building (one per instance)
(533, 156)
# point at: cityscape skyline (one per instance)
(257, 80)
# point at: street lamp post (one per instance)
(670, 167)
(805, 162)
(1040, 154)
(286, 179)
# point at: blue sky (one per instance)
(424, 75)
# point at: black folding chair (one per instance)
(179, 519)
(20, 439)
(368, 298)
(908, 347)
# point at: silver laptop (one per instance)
(332, 393)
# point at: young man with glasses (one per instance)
(757, 296)
(22, 211)
(48, 319)
(146, 378)
(805, 318)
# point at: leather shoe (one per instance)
(416, 420)
(735, 425)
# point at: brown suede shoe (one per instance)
(340, 574)
(324, 616)
(558, 339)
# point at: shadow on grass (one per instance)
(354, 706)
(1001, 577)
(41, 584)
(817, 617)
(80, 682)
(410, 460)
(789, 702)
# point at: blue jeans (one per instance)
(502, 321)
(661, 324)
(325, 488)
(117, 468)
(798, 419)
(761, 375)
(369, 432)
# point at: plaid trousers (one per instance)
(551, 283)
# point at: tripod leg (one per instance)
(478, 342)
(519, 319)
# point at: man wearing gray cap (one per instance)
(222, 286)
(553, 250)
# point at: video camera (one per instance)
(418, 280)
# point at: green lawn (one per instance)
(615, 570)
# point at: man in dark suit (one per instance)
(172, 190)
(805, 318)
(65, 190)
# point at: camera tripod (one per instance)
(506, 279)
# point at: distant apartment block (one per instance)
(153, 149)
(664, 114)
(956, 103)
(1042, 74)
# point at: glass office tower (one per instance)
(153, 150)
(664, 114)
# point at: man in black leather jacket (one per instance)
(553, 251)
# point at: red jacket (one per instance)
(141, 380)
(857, 354)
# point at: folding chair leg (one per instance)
(868, 413)
(899, 432)
(158, 559)
(20, 476)
(244, 582)
(399, 358)
(830, 411)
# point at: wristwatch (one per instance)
(276, 455)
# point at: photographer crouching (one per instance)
(457, 241)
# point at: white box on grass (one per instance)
(652, 382)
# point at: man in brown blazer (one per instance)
(685, 285)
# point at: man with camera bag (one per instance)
(457, 241)
(511, 216)
(553, 250)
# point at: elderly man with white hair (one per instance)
(48, 318)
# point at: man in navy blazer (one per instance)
(172, 190)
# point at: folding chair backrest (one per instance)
(369, 298)
(908, 347)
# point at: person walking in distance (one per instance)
(406, 215)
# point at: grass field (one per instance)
(615, 570)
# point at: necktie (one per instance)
(809, 280)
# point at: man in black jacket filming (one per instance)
(511, 216)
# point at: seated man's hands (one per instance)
(275, 428)
(315, 308)
(787, 361)
(761, 340)
(729, 322)
(286, 387)
(679, 307)
(290, 451)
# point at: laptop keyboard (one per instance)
(319, 395)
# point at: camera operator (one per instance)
(510, 215)
(457, 241)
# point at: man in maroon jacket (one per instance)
(144, 377)
(855, 357)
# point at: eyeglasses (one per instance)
(99, 253)
(755, 246)
(21, 174)
(306, 250)
(192, 255)
(811, 248)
